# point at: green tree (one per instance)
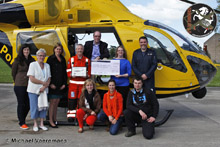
(112, 50)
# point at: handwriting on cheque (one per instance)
(107, 67)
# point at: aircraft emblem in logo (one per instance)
(199, 20)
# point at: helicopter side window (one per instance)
(37, 40)
(166, 51)
(183, 42)
(161, 56)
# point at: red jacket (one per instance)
(78, 63)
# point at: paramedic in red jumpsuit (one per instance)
(76, 83)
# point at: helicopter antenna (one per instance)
(190, 2)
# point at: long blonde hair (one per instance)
(87, 82)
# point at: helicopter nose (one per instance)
(203, 70)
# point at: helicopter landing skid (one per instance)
(74, 121)
(165, 118)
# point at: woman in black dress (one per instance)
(58, 82)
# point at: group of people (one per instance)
(33, 79)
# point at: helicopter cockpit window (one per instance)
(182, 41)
(37, 40)
(166, 51)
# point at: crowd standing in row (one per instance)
(140, 104)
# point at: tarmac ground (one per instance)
(194, 123)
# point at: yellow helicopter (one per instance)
(182, 66)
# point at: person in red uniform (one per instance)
(76, 81)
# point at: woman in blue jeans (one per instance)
(112, 109)
(39, 80)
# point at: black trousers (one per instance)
(149, 84)
(72, 104)
(131, 118)
(23, 106)
(124, 92)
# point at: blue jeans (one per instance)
(34, 107)
(114, 127)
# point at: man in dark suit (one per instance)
(96, 49)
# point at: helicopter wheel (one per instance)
(199, 94)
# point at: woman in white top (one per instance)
(39, 80)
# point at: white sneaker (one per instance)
(35, 129)
(43, 128)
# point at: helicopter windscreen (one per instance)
(165, 50)
(182, 41)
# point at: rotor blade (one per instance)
(187, 1)
(217, 11)
(190, 2)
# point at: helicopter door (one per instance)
(171, 71)
(45, 38)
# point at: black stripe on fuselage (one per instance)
(171, 89)
(174, 89)
(13, 13)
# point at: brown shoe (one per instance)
(108, 126)
(130, 133)
(91, 127)
(80, 130)
(121, 128)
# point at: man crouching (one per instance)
(142, 107)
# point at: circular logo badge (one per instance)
(199, 20)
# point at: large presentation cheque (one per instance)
(105, 67)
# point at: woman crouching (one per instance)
(89, 105)
(112, 108)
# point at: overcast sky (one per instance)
(169, 12)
